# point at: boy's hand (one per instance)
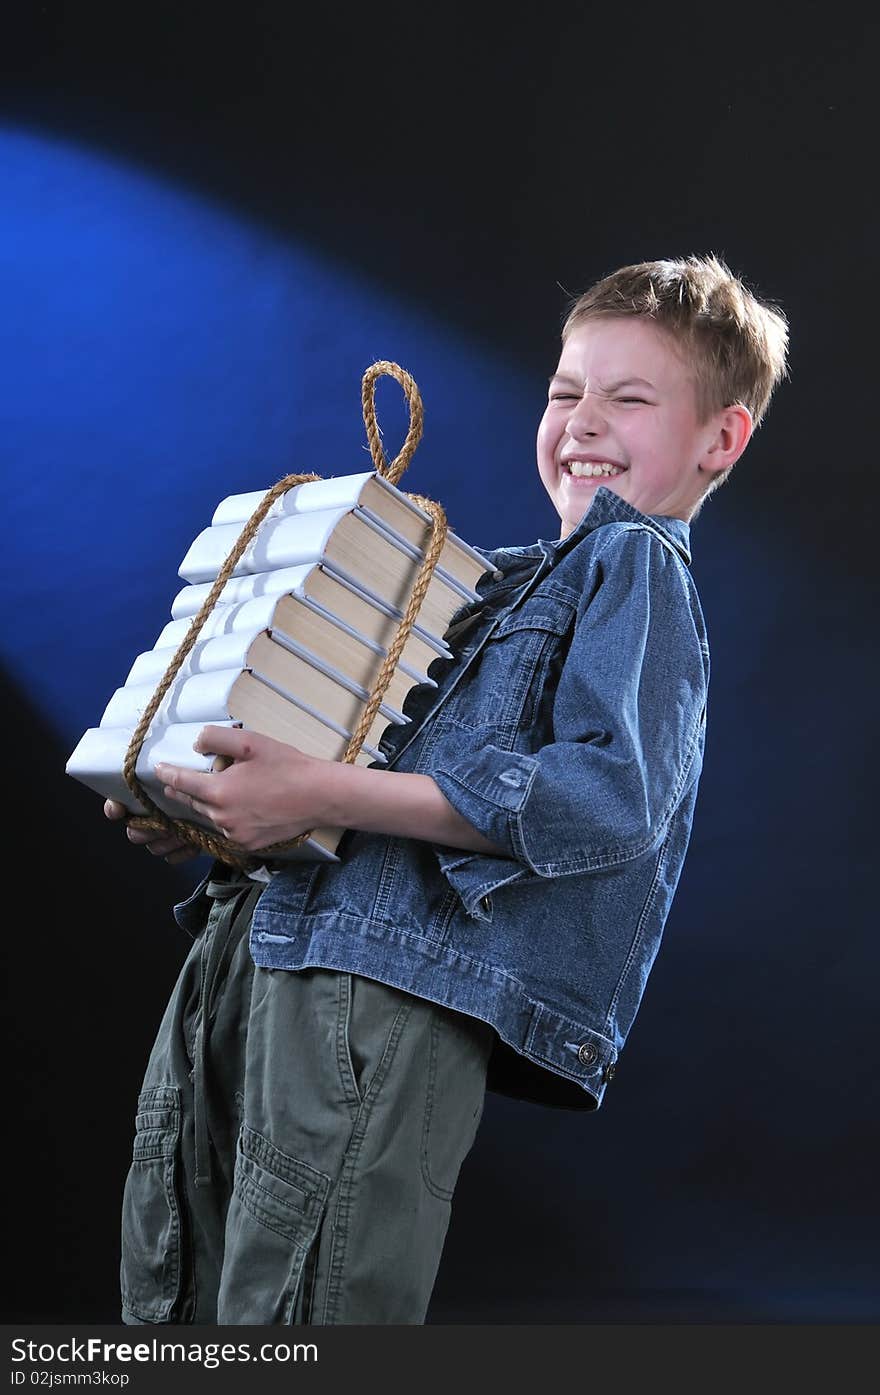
(172, 848)
(271, 792)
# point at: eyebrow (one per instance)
(612, 387)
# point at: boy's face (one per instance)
(623, 396)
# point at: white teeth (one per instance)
(585, 468)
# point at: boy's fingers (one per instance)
(161, 847)
(140, 835)
(180, 783)
(182, 854)
(166, 845)
(154, 837)
(224, 741)
(162, 844)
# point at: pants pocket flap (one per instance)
(157, 1122)
(280, 1191)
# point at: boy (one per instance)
(320, 1072)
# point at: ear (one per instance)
(729, 434)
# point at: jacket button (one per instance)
(486, 903)
(587, 1054)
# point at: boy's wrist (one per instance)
(332, 788)
(374, 801)
(398, 804)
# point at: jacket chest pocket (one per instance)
(509, 674)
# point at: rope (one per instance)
(393, 471)
(222, 848)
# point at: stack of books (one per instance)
(294, 644)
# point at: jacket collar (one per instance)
(607, 507)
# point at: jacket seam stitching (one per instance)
(637, 938)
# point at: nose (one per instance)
(586, 417)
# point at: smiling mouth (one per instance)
(586, 469)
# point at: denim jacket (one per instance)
(569, 729)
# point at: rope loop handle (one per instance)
(223, 849)
(392, 472)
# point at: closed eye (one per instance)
(574, 397)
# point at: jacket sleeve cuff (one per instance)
(490, 790)
(474, 877)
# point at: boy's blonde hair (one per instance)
(735, 343)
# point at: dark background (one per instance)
(431, 187)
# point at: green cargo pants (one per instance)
(297, 1142)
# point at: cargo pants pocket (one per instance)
(151, 1265)
(274, 1217)
(455, 1096)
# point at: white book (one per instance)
(336, 492)
(100, 754)
(351, 492)
(258, 614)
(218, 651)
(289, 542)
(230, 651)
(279, 542)
(218, 696)
(285, 580)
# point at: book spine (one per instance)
(208, 655)
(192, 697)
(279, 542)
(100, 754)
(334, 492)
